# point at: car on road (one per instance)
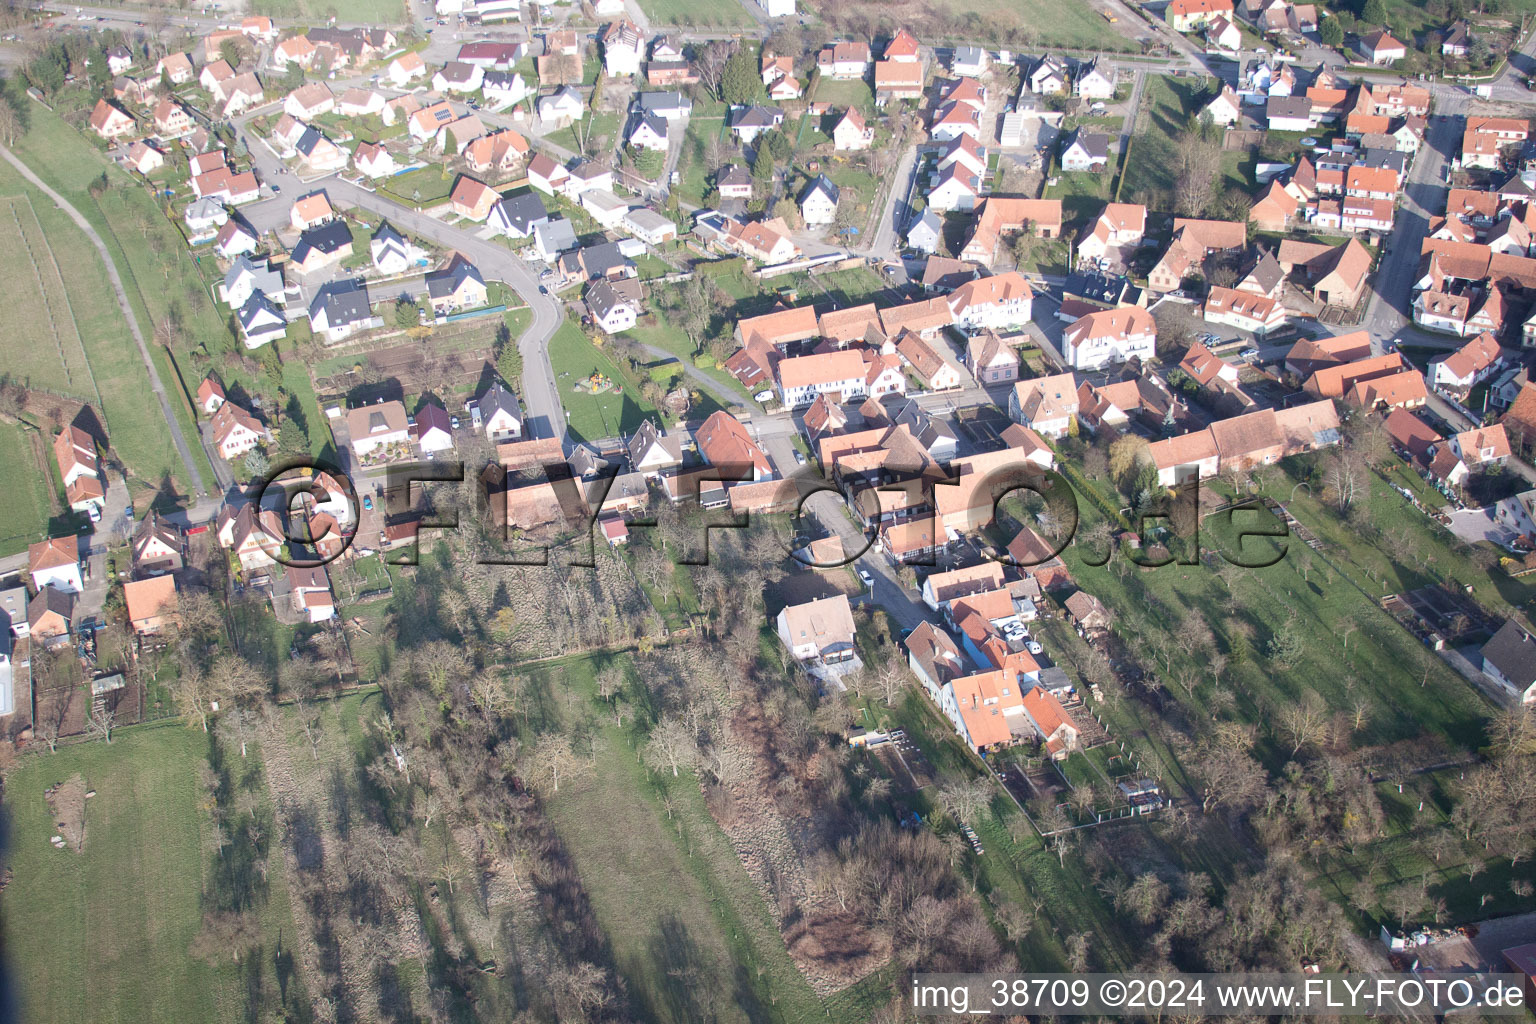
(277, 190)
(1250, 353)
(368, 502)
(867, 578)
(1034, 648)
(453, 421)
(129, 512)
(799, 459)
(543, 290)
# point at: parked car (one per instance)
(868, 578)
(368, 502)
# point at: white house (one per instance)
(1509, 659)
(851, 133)
(55, 563)
(1109, 336)
(612, 306)
(927, 233)
(561, 107)
(623, 47)
(500, 414)
(993, 303)
(818, 201)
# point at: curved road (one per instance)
(540, 393)
(194, 476)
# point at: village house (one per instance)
(1509, 660)
(990, 359)
(819, 634)
(236, 431)
(151, 605)
(111, 121)
(851, 133)
(1046, 405)
(1109, 336)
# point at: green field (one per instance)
(697, 13)
(670, 891)
(163, 284)
(1017, 23)
(347, 12)
(593, 416)
(46, 349)
(25, 507)
(843, 94)
(103, 935)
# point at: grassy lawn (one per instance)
(1166, 103)
(595, 127)
(855, 93)
(425, 186)
(103, 935)
(593, 416)
(696, 13)
(853, 286)
(347, 12)
(1070, 23)
(1082, 193)
(670, 891)
(24, 507)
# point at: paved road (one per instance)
(897, 205)
(194, 475)
(1424, 196)
(540, 393)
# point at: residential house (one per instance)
(839, 374)
(1380, 48)
(1469, 365)
(500, 414)
(898, 80)
(260, 321)
(455, 286)
(1119, 226)
(649, 226)
(311, 211)
(1085, 151)
(1257, 314)
(1094, 80)
(1109, 336)
(957, 187)
(747, 123)
(322, 246)
(235, 431)
(1188, 15)
(472, 199)
(851, 133)
(151, 605)
(210, 395)
(379, 426)
(844, 61)
(1509, 660)
(969, 61)
(246, 277)
(340, 309)
(614, 305)
(457, 76)
(405, 69)
(623, 47)
(433, 430)
(818, 201)
(50, 615)
(1225, 110)
(725, 444)
(928, 364)
(111, 121)
(373, 160)
(517, 215)
(992, 303)
(990, 359)
(309, 588)
(1047, 405)
(820, 634)
(309, 101)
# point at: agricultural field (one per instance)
(1020, 24)
(346, 12)
(46, 349)
(104, 934)
(167, 291)
(697, 13)
(25, 504)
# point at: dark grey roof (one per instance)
(1094, 287)
(498, 80)
(1513, 652)
(733, 174)
(820, 183)
(445, 282)
(757, 116)
(254, 307)
(498, 398)
(658, 101)
(327, 238)
(1092, 143)
(650, 120)
(969, 54)
(1385, 158)
(348, 40)
(524, 211)
(1288, 106)
(387, 233)
(1266, 272)
(601, 260)
(344, 302)
(924, 426)
(308, 141)
(603, 298)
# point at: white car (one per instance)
(868, 578)
(1033, 648)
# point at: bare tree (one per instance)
(1303, 721)
(671, 746)
(101, 722)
